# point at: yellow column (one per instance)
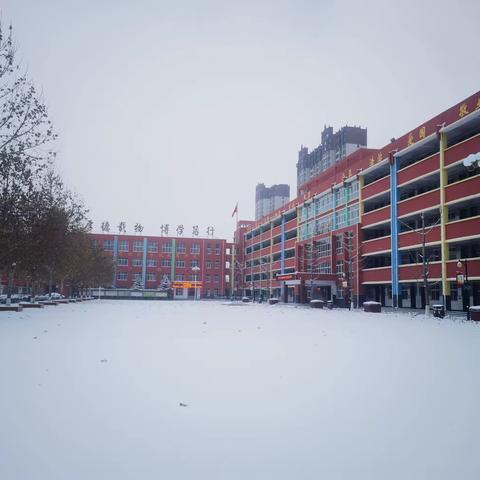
(361, 182)
(443, 215)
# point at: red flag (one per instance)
(235, 210)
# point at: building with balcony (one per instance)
(147, 260)
(379, 224)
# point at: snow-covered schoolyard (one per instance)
(202, 390)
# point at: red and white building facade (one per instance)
(356, 231)
(147, 260)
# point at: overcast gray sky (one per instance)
(172, 111)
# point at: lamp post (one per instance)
(465, 285)
(195, 269)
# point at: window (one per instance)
(137, 262)
(338, 244)
(325, 268)
(151, 277)
(323, 203)
(108, 245)
(179, 277)
(404, 291)
(208, 278)
(454, 292)
(354, 189)
(194, 263)
(340, 266)
(435, 292)
(123, 246)
(324, 247)
(138, 246)
(195, 248)
(217, 249)
(216, 279)
(166, 247)
(122, 262)
(217, 264)
(354, 214)
(209, 264)
(341, 218)
(181, 263)
(179, 292)
(151, 262)
(339, 196)
(209, 249)
(181, 248)
(152, 247)
(324, 224)
(136, 276)
(122, 276)
(165, 262)
(216, 292)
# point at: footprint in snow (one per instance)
(183, 404)
(103, 360)
(35, 338)
(45, 331)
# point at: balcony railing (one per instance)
(414, 238)
(376, 245)
(423, 167)
(462, 189)
(376, 187)
(376, 216)
(424, 201)
(468, 227)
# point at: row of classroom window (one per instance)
(166, 262)
(321, 248)
(152, 247)
(179, 277)
(324, 267)
(340, 219)
(324, 203)
(320, 204)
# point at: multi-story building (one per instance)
(379, 224)
(147, 260)
(333, 148)
(268, 199)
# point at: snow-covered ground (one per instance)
(93, 391)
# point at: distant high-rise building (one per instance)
(268, 199)
(333, 148)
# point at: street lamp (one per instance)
(195, 269)
(464, 283)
